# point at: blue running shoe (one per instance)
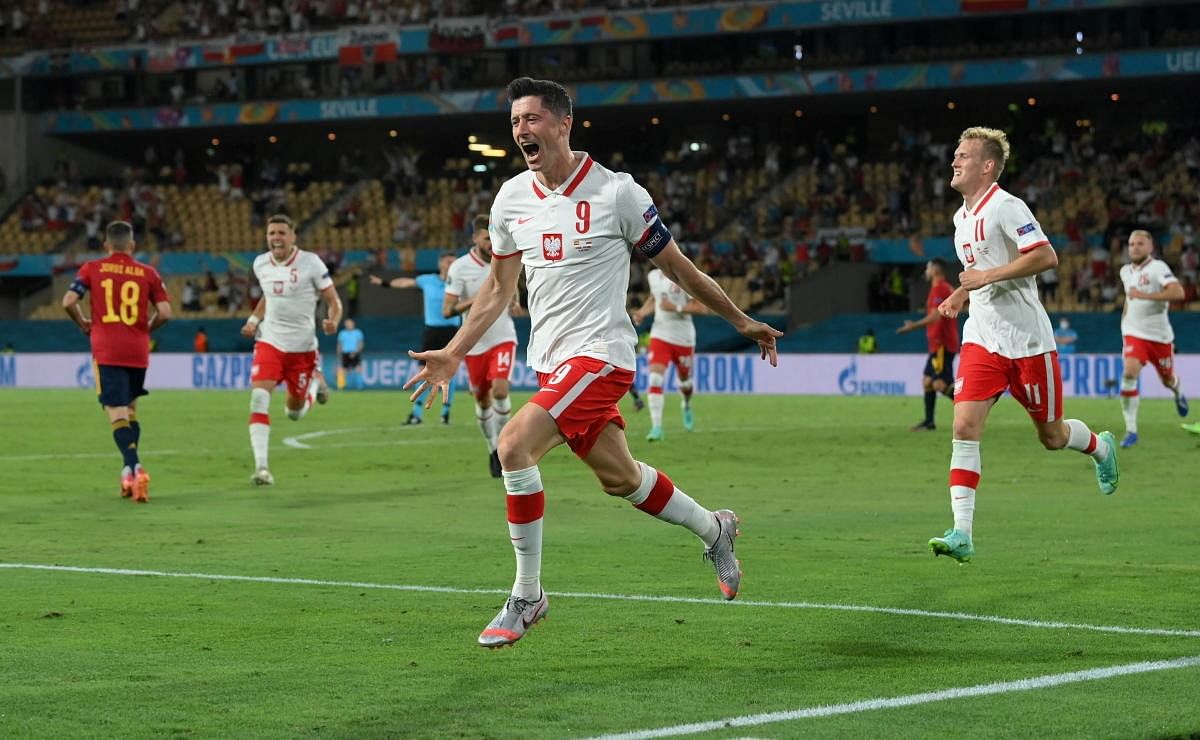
(1181, 405)
(655, 435)
(689, 420)
(954, 543)
(1108, 475)
(1130, 440)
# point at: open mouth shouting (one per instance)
(532, 151)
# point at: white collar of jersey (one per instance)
(568, 185)
(982, 201)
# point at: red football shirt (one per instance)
(944, 331)
(122, 292)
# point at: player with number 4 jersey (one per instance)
(1008, 343)
(490, 361)
(571, 223)
(123, 294)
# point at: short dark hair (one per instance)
(940, 264)
(280, 218)
(119, 233)
(481, 222)
(446, 254)
(554, 96)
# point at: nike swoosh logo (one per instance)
(523, 220)
(516, 539)
(548, 390)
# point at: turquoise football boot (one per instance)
(655, 435)
(955, 543)
(1108, 473)
(689, 420)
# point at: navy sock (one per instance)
(126, 440)
(137, 430)
(930, 397)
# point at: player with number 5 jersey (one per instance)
(128, 301)
(571, 223)
(1008, 343)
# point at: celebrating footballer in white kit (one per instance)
(1008, 343)
(1146, 333)
(284, 320)
(672, 340)
(490, 361)
(571, 223)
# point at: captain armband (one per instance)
(78, 288)
(655, 239)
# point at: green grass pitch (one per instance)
(837, 500)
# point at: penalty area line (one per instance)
(869, 705)
(745, 604)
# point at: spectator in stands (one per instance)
(190, 299)
(200, 341)
(1189, 294)
(867, 344)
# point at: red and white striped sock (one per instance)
(658, 497)
(1081, 438)
(1129, 403)
(526, 502)
(965, 465)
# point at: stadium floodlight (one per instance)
(494, 152)
(479, 168)
(472, 139)
(479, 147)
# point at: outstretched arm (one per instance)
(396, 282)
(920, 323)
(680, 270)
(494, 295)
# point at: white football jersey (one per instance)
(291, 290)
(671, 324)
(575, 244)
(463, 280)
(1007, 317)
(1144, 318)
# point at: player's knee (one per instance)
(260, 401)
(656, 382)
(966, 429)
(513, 455)
(937, 385)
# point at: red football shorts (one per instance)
(1158, 354)
(1036, 382)
(664, 353)
(494, 364)
(582, 395)
(295, 369)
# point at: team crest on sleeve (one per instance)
(650, 214)
(552, 246)
(1025, 229)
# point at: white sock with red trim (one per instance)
(526, 502)
(502, 407)
(1081, 438)
(260, 425)
(655, 400)
(965, 465)
(1129, 403)
(487, 425)
(658, 497)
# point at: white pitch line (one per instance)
(297, 441)
(89, 455)
(870, 705)
(961, 616)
